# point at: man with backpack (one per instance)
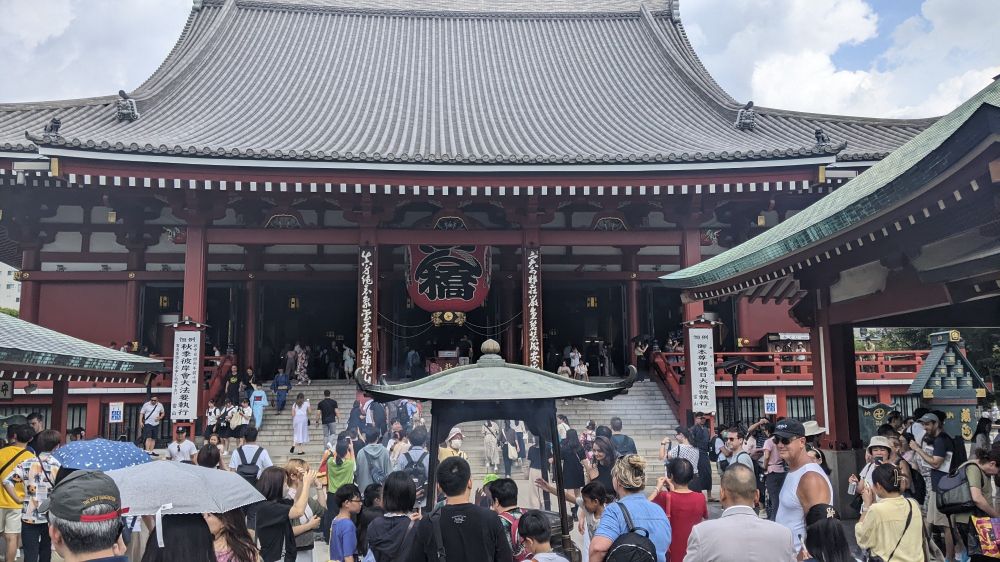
(967, 492)
(416, 462)
(939, 455)
(250, 459)
(373, 461)
(504, 493)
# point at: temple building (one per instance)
(393, 176)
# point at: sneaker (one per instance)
(154, 454)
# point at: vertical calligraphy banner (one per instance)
(532, 308)
(701, 369)
(367, 310)
(186, 375)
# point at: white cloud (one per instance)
(28, 24)
(780, 53)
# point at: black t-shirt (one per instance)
(944, 447)
(464, 347)
(327, 409)
(534, 460)
(274, 529)
(469, 533)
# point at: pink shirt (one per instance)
(773, 458)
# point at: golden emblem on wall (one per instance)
(456, 318)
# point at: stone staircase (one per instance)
(646, 417)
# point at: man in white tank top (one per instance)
(805, 484)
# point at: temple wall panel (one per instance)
(166, 218)
(93, 311)
(85, 266)
(106, 242)
(290, 249)
(335, 218)
(225, 249)
(660, 251)
(230, 219)
(99, 215)
(656, 220)
(65, 214)
(159, 266)
(352, 250)
(65, 242)
(764, 318)
(165, 246)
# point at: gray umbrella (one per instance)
(174, 488)
(149, 488)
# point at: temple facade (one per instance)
(392, 178)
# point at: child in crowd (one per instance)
(536, 532)
(343, 533)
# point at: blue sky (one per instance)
(881, 58)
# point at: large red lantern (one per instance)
(447, 278)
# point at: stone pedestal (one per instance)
(842, 465)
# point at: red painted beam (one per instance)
(351, 237)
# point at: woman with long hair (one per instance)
(231, 539)
(300, 423)
(303, 528)
(508, 445)
(825, 539)
(491, 445)
(598, 468)
(391, 534)
(572, 463)
(981, 437)
(186, 538)
(339, 468)
(273, 518)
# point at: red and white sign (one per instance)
(447, 278)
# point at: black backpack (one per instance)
(713, 451)
(415, 468)
(403, 414)
(958, 454)
(248, 470)
(918, 486)
(634, 545)
(954, 493)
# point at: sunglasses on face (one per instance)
(783, 440)
(731, 438)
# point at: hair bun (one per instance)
(637, 463)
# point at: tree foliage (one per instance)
(982, 345)
(8, 311)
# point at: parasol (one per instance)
(100, 454)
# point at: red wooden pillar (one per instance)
(508, 269)
(742, 317)
(690, 255)
(250, 333)
(132, 290)
(531, 310)
(630, 264)
(31, 260)
(60, 407)
(367, 350)
(834, 376)
(195, 269)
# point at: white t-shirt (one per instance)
(211, 416)
(182, 451)
(250, 450)
(150, 413)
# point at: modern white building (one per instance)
(10, 289)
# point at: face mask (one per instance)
(456, 443)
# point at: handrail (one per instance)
(870, 365)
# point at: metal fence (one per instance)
(76, 414)
(800, 407)
(750, 409)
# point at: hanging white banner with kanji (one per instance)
(187, 364)
(701, 361)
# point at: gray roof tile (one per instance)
(440, 82)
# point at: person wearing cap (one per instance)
(181, 448)
(150, 416)
(85, 522)
(938, 457)
(880, 451)
(452, 446)
(805, 485)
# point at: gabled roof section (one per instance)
(947, 372)
(582, 82)
(871, 193)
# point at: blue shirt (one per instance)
(343, 539)
(645, 515)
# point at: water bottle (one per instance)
(852, 488)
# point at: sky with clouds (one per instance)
(883, 58)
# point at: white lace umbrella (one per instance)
(173, 488)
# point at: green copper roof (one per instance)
(491, 379)
(870, 193)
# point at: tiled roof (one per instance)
(869, 194)
(33, 349)
(441, 82)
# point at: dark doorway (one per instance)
(314, 314)
(162, 305)
(588, 315)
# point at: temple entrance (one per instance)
(591, 317)
(320, 315)
(161, 308)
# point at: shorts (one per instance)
(150, 431)
(934, 517)
(10, 520)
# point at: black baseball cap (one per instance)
(82, 490)
(789, 428)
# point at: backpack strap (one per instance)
(256, 456)
(12, 459)
(628, 517)
(243, 457)
(422, 457)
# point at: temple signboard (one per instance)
(701, 357)
(185, 376)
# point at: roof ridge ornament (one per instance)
(52, 127)
(746, 118)
(674, 9)
(125, 107)
(822, 139)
